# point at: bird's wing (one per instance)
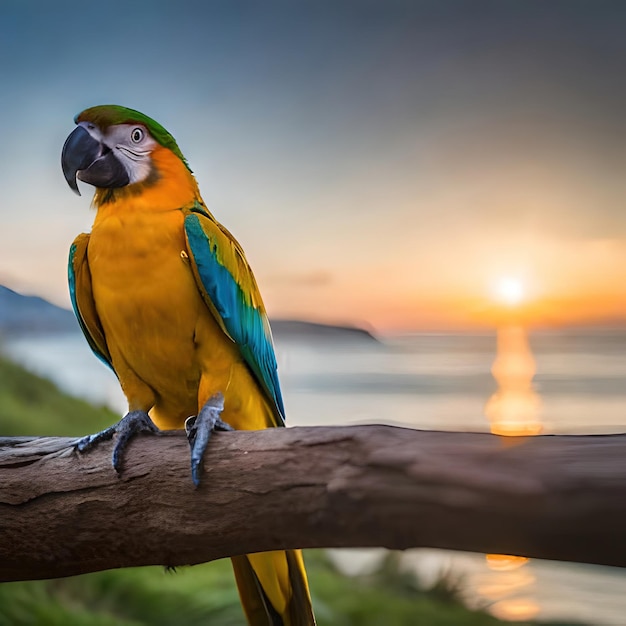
(231, 293)
(79, 278)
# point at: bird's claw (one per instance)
(86, 443)
(132, 423)
(199, 429)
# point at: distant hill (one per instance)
(30, 314)
(287, 329)
(21, 314)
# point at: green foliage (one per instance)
(204, 594)
(31, 405)
(390, 596)
(130, 597)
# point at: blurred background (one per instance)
(432, 196)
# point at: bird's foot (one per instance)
(199, 430)
(132, 423)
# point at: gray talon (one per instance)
(199, 429)
(132, 423)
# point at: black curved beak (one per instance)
(91, 161)
(80, 150)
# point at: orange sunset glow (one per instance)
(465, 282)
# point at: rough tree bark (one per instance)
(553, 497)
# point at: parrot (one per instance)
(166, 298)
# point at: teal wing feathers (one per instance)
(79, 278)
(231, 293)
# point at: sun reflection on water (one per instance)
(513, 410)
(516, 609)
(505, 562)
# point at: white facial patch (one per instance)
(133, 146)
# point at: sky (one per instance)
(385, 164)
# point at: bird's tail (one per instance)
(273, 588)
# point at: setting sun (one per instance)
(509, 291)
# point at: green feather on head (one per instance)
(106, 115)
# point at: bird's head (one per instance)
(113, 147)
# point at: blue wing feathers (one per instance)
(241, 316)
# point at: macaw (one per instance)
(165, 297)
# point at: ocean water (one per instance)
(509, 381)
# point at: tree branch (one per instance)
(552, 497)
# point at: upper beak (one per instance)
(80, 150)
(91, 161)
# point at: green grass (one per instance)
(131, 597)
(31, 405)
(205, 594)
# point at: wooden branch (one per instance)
(552, 497)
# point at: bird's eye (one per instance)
(136, 135)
